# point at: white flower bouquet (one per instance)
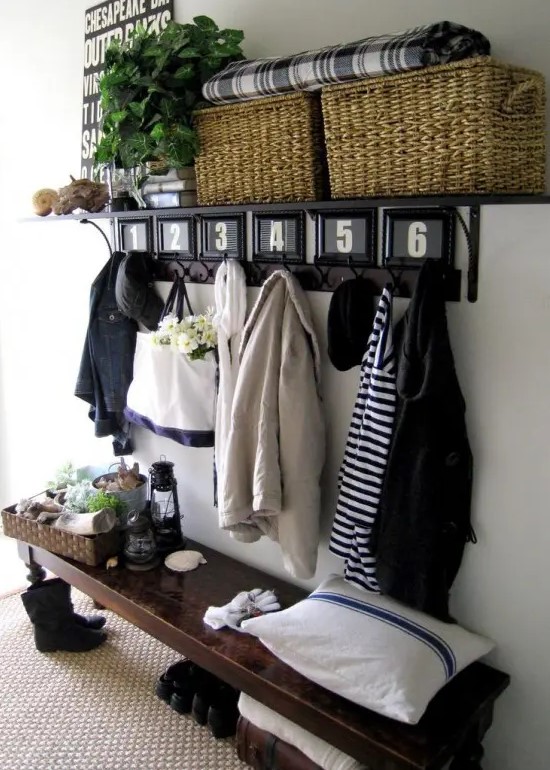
(194, 335)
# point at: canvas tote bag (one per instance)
(169, 394)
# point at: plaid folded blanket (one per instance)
(382, 55)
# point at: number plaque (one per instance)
(279, 237)
(222, 237)
(176, 236)
(346, 236)
(412, 235)
(134, 234)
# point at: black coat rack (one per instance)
(193, 240)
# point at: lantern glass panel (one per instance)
(163, 511)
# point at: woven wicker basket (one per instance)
(475, 126)
(88, 550)
(262, 151)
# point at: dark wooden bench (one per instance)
(170, 606)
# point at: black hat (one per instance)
(135, 293)
(350, 319)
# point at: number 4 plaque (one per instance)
(279, 237)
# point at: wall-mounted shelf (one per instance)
(455, 201)
(196, 239)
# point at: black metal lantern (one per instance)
(165, 511)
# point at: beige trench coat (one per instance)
(276, 444)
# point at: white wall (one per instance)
(500, 343)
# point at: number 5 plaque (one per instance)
(347, 236)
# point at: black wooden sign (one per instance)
(346, 237)
(222, 237)
(413, 235)
(134, 234)
(102, 24)
(278, 237)
(176, 236)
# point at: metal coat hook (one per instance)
(183, 269)
(396, 279)
(284, 263)
(208, 272)
(352, 267)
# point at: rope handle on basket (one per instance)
(529, 84)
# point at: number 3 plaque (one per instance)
(222, 237)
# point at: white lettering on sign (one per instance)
(221, 232)
(417, 243)
(344, 236)
(175, 232)
(276, 239)
(134, 233)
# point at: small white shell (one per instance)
(184, 561)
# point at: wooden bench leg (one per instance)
(470, 754)
(469, 757)
(36, 572)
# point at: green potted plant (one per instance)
(150, 87)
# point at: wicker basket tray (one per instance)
(88, 550)
(474, 126)
(262, 151)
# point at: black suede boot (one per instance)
(50, 610)
(93, 621)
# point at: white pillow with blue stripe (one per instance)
(369, 648)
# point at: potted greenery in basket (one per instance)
(150, 87)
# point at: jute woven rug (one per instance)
(94, 710)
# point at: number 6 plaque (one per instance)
(413, 235)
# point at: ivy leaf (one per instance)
(232, 35)
(205, 23)
(158, 133)
(188, 53)
(185, 72)
(118, 117)
(137, 108)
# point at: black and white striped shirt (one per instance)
(362, 472)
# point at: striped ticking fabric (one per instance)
(430, 44)
(410, 627)
(362, 471)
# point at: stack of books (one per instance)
(176, 188)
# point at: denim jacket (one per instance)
(106, 367)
